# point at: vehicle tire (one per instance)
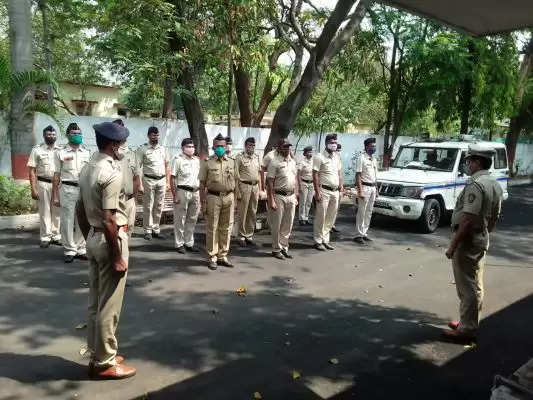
(431, 216)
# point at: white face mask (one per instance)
(332, 146)
(228, 147)
(120, 152)
(188, 151)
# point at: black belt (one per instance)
(154, 176)
(283, 193)
(43, 179)
(215, 193)
(130, 196)
(250, 183)
(69, 183)
(307, 181)
(333, 189)
(368, 184)
(187, 188)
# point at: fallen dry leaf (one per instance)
(241, 291)
(81, 326)
(257, 396)
(287, 343)
(411, 275)
(470, 346)
(380, 286)
(152, 310)
(296, 375)
(214, 311)
(408, 248)
(333, 361)
(83, 350)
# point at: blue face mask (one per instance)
(371, 150)
(220, 151)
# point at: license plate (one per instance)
(382, 204)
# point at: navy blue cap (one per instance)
(111, 131)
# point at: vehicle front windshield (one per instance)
(426, 158)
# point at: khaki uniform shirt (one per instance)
(267, 158)
(368, 167)
(151, 160)
(482, 198)
(101, 189)
(219, 174)
(283, 170)
(305, 167)
(186, 170)
(68, 162)
(128, 168)
(42, 159)
(249, 167)
(328, 166)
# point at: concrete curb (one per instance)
(519, 181)
(21, 222)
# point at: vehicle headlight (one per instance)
(412, 192)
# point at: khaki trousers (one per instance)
(247, 209)
(153, 202)
(185, 217)
(106, 292)
(307, 192)
(281, 221)
(325, 215)
(468, 264)
(220, 210)
(131, 210)
(364, 211)
(48, 214)
(71, 237)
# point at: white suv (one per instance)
(426, 178)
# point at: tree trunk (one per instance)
(392, 97)
(329, 43)
(297, 67)
(47, 52)
(20, 123)
(193, 112)
(467, 89)
(168, 95)
(242, 89)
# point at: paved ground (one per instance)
(376, 309)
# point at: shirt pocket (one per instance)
(214, 175)
(45, 159)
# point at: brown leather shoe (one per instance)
(118, 371)
(456, 336)
(92, 368)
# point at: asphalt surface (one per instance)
(354, 323)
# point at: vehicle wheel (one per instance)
(431, 215)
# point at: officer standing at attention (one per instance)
(130, 180)
(366, 171)
(249, 167)
(282, 198)
(307, 191)
(334, 227)
(218, 177)
(152, 161)
(327, 179)
(68, 162)
(101, 211)
(229, 147)
(184, 184)
(41, 165)
(476, 212)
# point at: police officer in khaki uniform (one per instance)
(68, 162)
(130, 180)
(229, 147)
(334, 227)
(184, 184)
(476, 212)
(250, 184)
(218, 177)
(307, 190)
(152, 161)
(282, 198)
(41, 165)
(327, 180)
(366, 170)
(102, 214)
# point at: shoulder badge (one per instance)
(471, 197)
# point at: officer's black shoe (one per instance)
(308, 223)
(302, 222)
(368, 239)
(328, 246)
(147, 236)
(56, 242)
(319, 246)
(159, 235)
(69, 258)
(212, 265)
(277, 254)
(192, 249)
(249, 242)
(180, 250)
(81, 256)
(286, 254)
(242, 242)
(224, 262)
(359, 240)
(44, 245)
(334, 229)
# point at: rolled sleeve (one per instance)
(174, 167)
(271, 171)
(57, 162)
(111, 188)
(317, 162)
(202, 176)
(473, 200)
(359, 164)
(32, 162)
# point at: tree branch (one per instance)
(295, 7)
